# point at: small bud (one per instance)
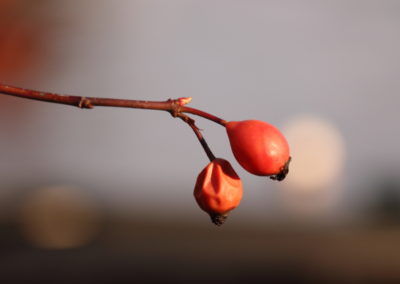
(184, 101)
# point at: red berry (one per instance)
(259, 147)
(218, 190)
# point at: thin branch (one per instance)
(172, 106)
(175, 107)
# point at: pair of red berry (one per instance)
(260, 148)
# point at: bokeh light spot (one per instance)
(314, 183)
(59, 217)
(318, 152)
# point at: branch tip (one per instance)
(184, 101)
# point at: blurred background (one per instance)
(106, 195)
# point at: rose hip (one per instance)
(259, 147)
(218, 190)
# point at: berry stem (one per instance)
(172, 106)
(190, 121)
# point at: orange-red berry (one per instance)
(218, 190)
(259, 147)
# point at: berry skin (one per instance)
(259, 147)
(218, 190)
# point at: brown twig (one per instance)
(175, 107)
(172, 106)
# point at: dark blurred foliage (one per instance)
(150, 250)
(385, 207)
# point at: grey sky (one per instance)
(269, 60)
